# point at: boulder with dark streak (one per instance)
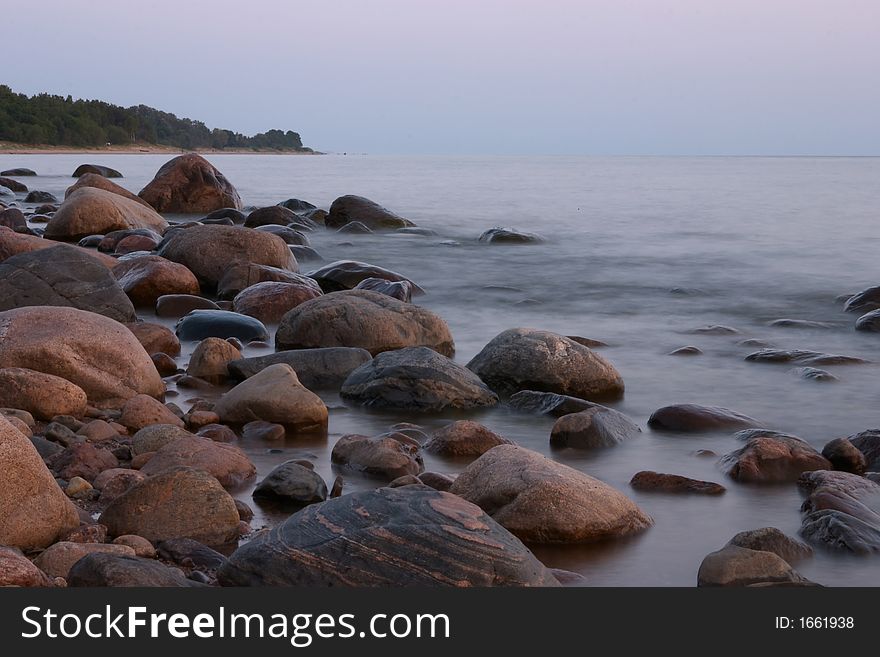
(411, 536)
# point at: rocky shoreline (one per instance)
(108, 482)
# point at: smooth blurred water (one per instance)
(750, 239)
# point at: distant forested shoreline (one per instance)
(63, 121)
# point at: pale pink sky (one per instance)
(477, 76)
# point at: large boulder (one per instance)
(737, 566)
(146, 278)
(12, 243)
(771, 457)
(93, 211)
(418, 379)
(541, 501)
(34, 511)
(227, 463)
(208, 251)
(316, 369)
(464, 438)
(241, 276)
(18, 570)
(387, 457)
(527, 359)
(598, 426)
(347, 209)
(842, 511)
(269, 302)
(686, 418)
(101, 569)
(62, 276)
(176, 503)
(99, 181)
(410, 536)
(42, 395)
(274, 395)
(98, 354)
(201, 324)
(96, 169)
(360, 318)
(189, 184)
(348, 274)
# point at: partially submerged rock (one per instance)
(736, 566)
(772, 457)
(190, 184)
(346, 209)
(693, 417)
(646, 480)
(388, 456)
(594, 427)
(316, 369)
(464, 438)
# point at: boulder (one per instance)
(411, 536)
(17, 570)
(200, 324)
(99, 181)
(18, 172)
(316, 368)
(91, 211)
(84, 460)
(845, 456)
(359, 318)
(686, 418)
(62, 276)
(869, 322)
(42, 395)
(141, 546)
(297, 205)
(770, 539)
(227, 463)
(178, 305)
(189, 184)
(288, 234)
(387, 457)
(176, 503)
(34, 511)
(190, 553)
(842, 511)
(418, 379)
(500, 235)
(346, 209)
(229, 215)
(155, 338)
(210, 359)
(274, 395)
(349, 274)
(864, 301)
(154, 437)
(801, 357)
(103, 570)
(240, 277)
(142, 411)
(146, 278)
(96, 169)
(272, 215)
(400, 290)
(58, 559)
(527, 359)
(36, 196)
(541, 501)
(771, 457)
(14, 185)
(647, 480)
(99, 355)
(269, 302)
(598, 426)
(208, 251)
(868, 443)
(12, 243)
(13, 218)
(547, 403)
(737, 566)
(291, 485)
(464, 438)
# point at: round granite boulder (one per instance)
(189, 184)
(93, 211)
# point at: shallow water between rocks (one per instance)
(638, 252)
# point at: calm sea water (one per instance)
(751, 239)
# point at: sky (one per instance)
(604, 77)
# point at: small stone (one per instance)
(98, 431)
(260, 430)
(670, 483)
(141, 546)
(77, 487)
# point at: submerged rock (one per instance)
(842, 511)
(541, 501)
(346, 209)
(272, 215)
(97, 169)
(736, 566)
(411, 536)
(388, 456)
(801, 357)
(178, 305)
(369, 320)
(693, 417)
(547, 403)
(349, 274)
(418, 379)
(647, 480)
(464, 438)
(770, 539)
(771, 457)
(869, 322)
(528, 359)
(190, 184)
(499, 235)
(868, 443)
(864, 301)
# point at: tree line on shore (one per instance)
(63, 121)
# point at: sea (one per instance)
(638, 252)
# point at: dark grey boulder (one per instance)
(99, 169)
(200, 324)
(597, 426)
(348, 274)
(291, 485)
(104, 569)
(499, 235)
